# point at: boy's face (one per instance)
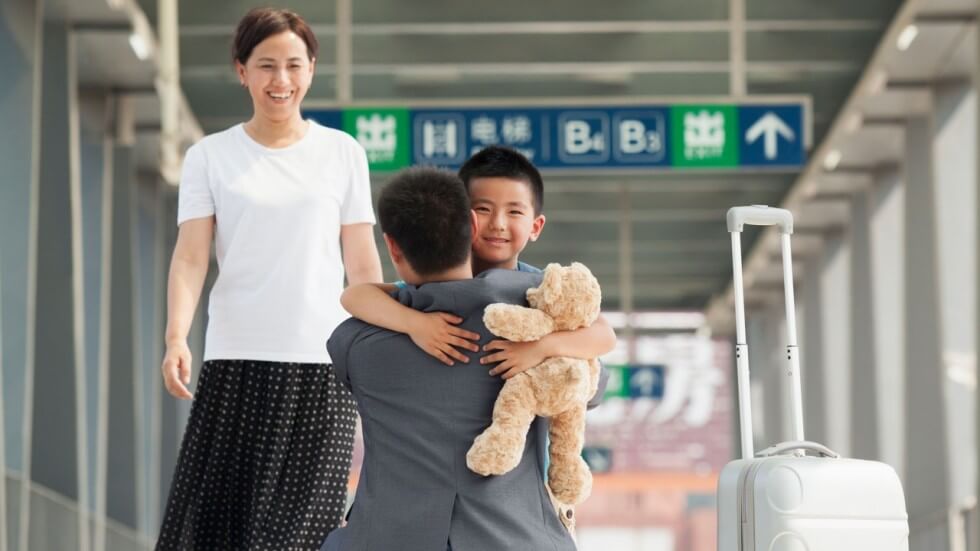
(505, 220)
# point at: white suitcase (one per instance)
(781, 499)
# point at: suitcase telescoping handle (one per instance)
(761, 215)
(783, 448)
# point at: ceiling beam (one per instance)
(569, 27)
(450, 72)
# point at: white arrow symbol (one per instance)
(771, 126)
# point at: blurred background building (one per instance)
(649, 120)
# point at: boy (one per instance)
(506, 195)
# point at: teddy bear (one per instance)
(559, 387)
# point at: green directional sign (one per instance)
(383, 132)
(705, 136)
(616, 387)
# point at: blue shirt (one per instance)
(522, 267)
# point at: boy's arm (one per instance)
(435, 333)
(516, 357)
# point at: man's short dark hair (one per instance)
(427, 213)
(498, 161)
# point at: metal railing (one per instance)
(951, 529)
(53, 523)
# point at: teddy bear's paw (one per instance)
(488, 456)
(571, 484)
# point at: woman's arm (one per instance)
(188, 268)
(361, 262)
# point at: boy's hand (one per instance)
(514, 357)
(436, 333)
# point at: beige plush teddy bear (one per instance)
(559, 387)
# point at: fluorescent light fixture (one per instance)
(427, 76)
(906, 37)
(832, 159)
(139, 46)
(877, 82)
(810, 189)
(615, 77)
(853, 123)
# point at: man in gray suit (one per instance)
(420, 416)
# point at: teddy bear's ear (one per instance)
(578, 266)
(551, 285)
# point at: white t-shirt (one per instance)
(278, 216)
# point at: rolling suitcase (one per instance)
(782, 499)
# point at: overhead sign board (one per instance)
(674, 137)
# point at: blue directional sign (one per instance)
(771, 135)
(679, 137)
(331, 118)
(473, 129)
(641, 137)
(583, 137)
(645, 381)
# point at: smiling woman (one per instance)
(267, 449)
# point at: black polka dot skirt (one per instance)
(264, 459)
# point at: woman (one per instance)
(267, 449)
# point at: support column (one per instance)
(954, 173)
(864, 382)
(887, 234)
(814, 422)
(737, 86)
(150, 290)
(344, 75)
(171, 424)
(927, 477)
(835, 292)
(105, 334)
(975, 524)
(626, 271)
(58, 461)
(121, 497)
(768, 400)
(20, 108)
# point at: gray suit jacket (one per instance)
(419, 418)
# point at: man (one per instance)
(419, 415)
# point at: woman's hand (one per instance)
(176, 369)
(436, 333)
(514, 357)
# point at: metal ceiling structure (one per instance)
(656, 239)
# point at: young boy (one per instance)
(506, 195)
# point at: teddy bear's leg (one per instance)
(568, 475)
(499, 449)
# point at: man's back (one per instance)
(419, 418)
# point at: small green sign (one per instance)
(384, 134)
(616, 387)
(705, 135)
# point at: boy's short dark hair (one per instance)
(427, 213)
(498, 161)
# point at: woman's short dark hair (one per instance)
(261, 23)
(427, 213)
